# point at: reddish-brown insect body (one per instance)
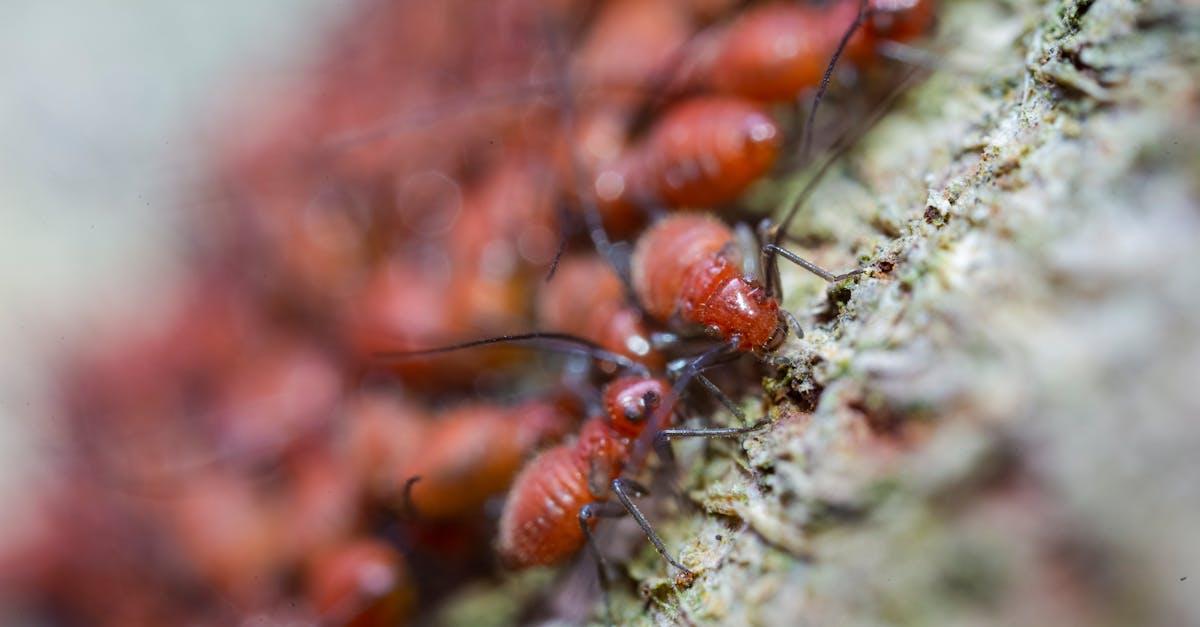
(891, 20)
(540, 523)
(687, 267)
(586, 299)
(704, 151)
(474, 452)
(774, 51)
(463, 457)
(360, 583)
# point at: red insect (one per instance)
(360, 583)
(688, 267)
(626, 43)
(463, 455)
(403, 305)
(775, 51)
(473, 452)
(707, 150)
(702, 152)
(554, 500)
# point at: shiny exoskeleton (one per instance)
(540, 524)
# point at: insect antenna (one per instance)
(548, 341)
(563, 87)
(806, 144)
(840, 148)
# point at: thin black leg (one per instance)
(605, 509)
(666, 455)
(806, 143)
(666, 435)
(623, 488)
(772, 250)
(722, 397)
(662, 441)
(769, 267)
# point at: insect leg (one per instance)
(722, 397)
(922, 58)
(770, 250)
(667, 457)
(840, 148)
(599, 509)
(662, 440)
(666, 435)
(806, 144)
(623, 488)
(662, 444)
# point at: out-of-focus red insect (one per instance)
(90, 559)
(309, 185)
(467, 267)
(475, 452)
(276, 393)
(702, 152)
(405, 305)
(694, 155)
(228, 531)
(317, 499)
(774, 51)
(382, 432)
(360, 583)
(627, 42)
(462, 457)
(586, 299)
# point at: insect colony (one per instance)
(285, 445)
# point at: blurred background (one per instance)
(101, 119)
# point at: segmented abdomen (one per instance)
(706, 151)
(540, 524)
(669, 253)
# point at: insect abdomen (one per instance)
(706, 151)
(670, 252)
(540, 524)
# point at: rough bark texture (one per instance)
(999, 424)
